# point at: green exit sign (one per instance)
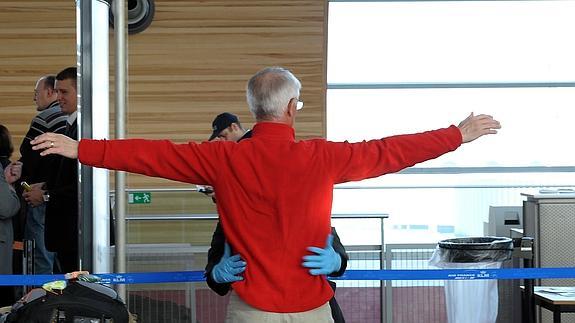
(140, 198)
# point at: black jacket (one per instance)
(36, 169)
(61, 227)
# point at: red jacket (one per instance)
(274, 194)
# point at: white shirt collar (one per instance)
(72, 117)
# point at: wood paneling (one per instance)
(191, 64)
(36, 38)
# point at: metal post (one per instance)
(528, 251)
(384, 285)
(523, 249)
(93, 103)
(120, 102)
(84, 90)
(28, 268)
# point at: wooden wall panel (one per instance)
(36, 38)
(194, 61)
(191, 64)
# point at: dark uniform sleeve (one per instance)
(336, 312)
(338, 247)
(214, 256)
(63, 184)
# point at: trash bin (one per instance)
(472, 301)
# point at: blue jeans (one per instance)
(34, 230)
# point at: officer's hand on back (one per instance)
(325, 261)
(229, 268)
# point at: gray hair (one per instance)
(269, 92)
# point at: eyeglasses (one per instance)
(299, 105)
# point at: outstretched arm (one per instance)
(367, 159)
(190, 163)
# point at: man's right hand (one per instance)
(229, 268)
(55, 143)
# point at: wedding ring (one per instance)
(51, 144)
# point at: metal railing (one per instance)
(361, 301)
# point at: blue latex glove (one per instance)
(229, 267)
(325, 261)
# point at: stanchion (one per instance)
(28, 261)
(523, 249)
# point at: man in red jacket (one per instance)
(274, 193)
(224, 268)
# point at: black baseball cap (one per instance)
(221, 122)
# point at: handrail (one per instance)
(362, 187)
(351, 187)
(214, 216)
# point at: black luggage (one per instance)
(79, 302)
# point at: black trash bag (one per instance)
(475, 249)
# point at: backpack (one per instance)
(80, 301)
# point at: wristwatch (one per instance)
(46, 196)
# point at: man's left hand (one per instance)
(474, 127)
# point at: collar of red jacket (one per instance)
(274, 130)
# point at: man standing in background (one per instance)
(36, 169)
(61, 190)
(227, 126)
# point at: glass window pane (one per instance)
(537, 122)
(451, 41)
(424, 215)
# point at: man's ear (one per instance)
(235, 127)
(291, 108)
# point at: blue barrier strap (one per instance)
(150, 278)
(28, 280)
(125, 278)
(458, 274)
(428, 274)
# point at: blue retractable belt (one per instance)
(198, 276)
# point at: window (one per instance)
(451, 41)
(537, 122)
(408, 66)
